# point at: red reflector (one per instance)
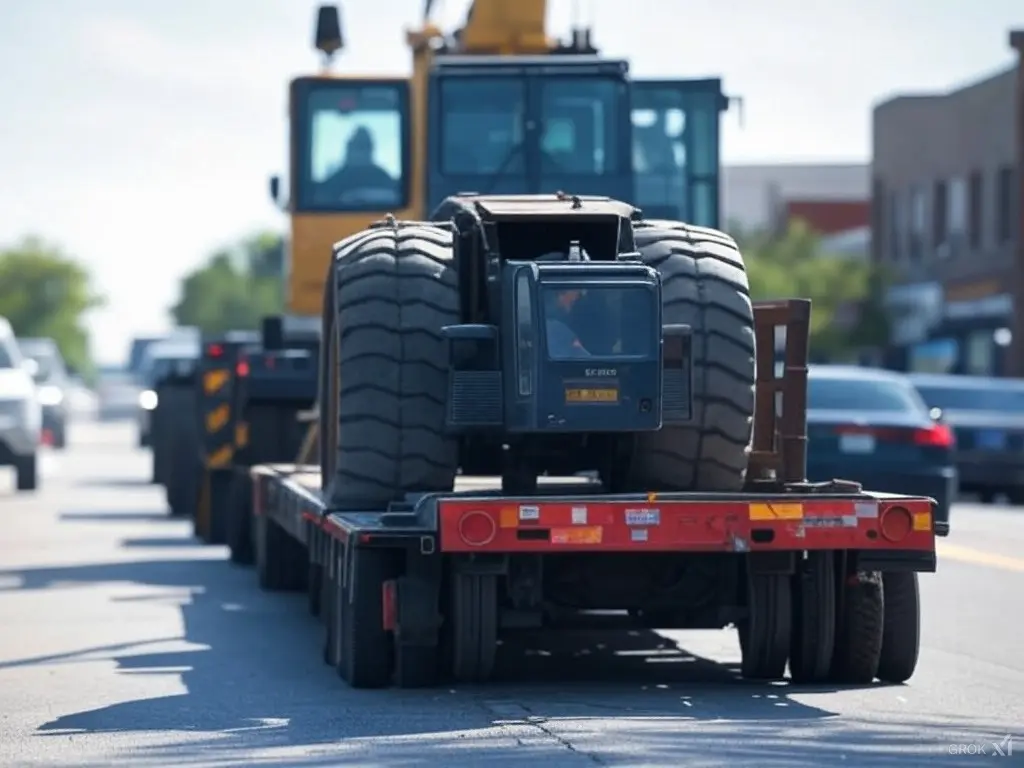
(937, 436)
(477, 529)
(215, 350)
(242, 369)
(895, 524)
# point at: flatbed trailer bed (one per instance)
(425, 587)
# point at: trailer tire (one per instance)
(330, 615)
(314, 586)
(277, 558)
(220, 504)
(814, 618)
(704, 285)
(366, 647)
(901, 626)
(765, 633)
(395, 287)
(859, 630)
(473, 626)
(240, 520)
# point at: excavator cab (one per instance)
(676, 158)
(528, 125)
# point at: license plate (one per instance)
(599, 395)
(992, 439)
(857, 443)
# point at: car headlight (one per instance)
(147, 400)
(50, 395)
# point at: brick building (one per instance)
(946, 217)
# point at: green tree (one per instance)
(46, 293)
(235, 287)
(845, 293)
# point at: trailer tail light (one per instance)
(477, 529)
(215, 350)
(895, 524)
(242, 368)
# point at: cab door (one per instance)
(676, 155)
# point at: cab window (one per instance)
(606, 321)
(579, 126)
(352, 144)
(482, 130)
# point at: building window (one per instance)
(956, 217)
(1005, 195)
(940, 214)
(896, 227)
(976, 210)
(918, 224)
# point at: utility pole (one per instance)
(1016, 349)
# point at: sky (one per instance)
(138, 135)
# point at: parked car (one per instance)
(987, 417)
(20, 413)
(871, 426)
(46, 364)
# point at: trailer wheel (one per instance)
(395, 288)
(220, 504)
(314, 586)
(473, 626)
(859, 630)
(765, 632)
(366, 647)
(330, 614)
(240, 520)
(901, 626)
(704, 285)
(814, 618)
(276, 566)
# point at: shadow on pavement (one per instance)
(116, 517)
(171, 542)
(256, 685)
(115, 482)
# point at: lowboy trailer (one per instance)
(820, 577)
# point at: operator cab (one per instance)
(569, 344)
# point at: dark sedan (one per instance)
(987, 416)
(871, 426)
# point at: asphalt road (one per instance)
(122, 642)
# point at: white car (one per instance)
(21, 416)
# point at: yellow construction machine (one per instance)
(497, 106)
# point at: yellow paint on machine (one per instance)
(220, 458)
(218, 418)
(241, 434)
(779, 511)
(214, 381)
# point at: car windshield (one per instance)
(827, 393)
(6, 361)
(602, 321)
(1003, 399)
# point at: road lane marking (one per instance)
(978, 557)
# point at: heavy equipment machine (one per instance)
(526, 336)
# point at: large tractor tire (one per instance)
(394, 288)
(704, 285)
